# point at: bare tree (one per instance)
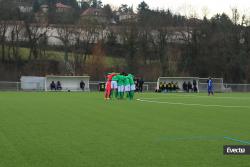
(97, 61)
(3, 31)
(16, 27)
(35, 32)
(143, 42)
(129, 34)
(86, 34)
(78, 40)
(160, 43)
(235, 16)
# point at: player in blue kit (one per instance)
(210, 86)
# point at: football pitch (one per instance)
(57, 129)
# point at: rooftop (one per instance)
(92, 11)
(60, 5)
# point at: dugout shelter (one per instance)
(68, 83)
(32, 83)
(178, 80)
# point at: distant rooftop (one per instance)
(92, 11)
(60, 5)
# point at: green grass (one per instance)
(81, 129)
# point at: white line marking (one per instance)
(198, 96)
(191, 104)
(237, 140)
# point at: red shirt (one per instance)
(108, 85)
(110, 76)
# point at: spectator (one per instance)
(165, 88)
(184, 86)
(141, 82)
(172, 86)
(137, 84)
(101, 86)
(82, 85)
(195, 86)
(169, 87)
(190, 87)
(176, 87)
(58, 85)
(52, 86)
(161, 87)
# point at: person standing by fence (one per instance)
(82, 85)
(141, 82)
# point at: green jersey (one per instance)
(119, 79)
(131, 79)
(126, 80)
(123, 80)
(115, 78)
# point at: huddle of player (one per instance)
(118, 85)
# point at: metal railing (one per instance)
(10, 86)
(237, 87)
(147, 87)
(150, 86)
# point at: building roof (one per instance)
(92, 12)
(60, 5)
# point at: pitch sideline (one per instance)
(190, 104)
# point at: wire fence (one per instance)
(10, 86)
(147, 86)
(237, 87)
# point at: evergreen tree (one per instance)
(142, 7)
(36, 6)
(95, 3)
(84, 5)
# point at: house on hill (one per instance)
(94, 14)
(42, 14)
(60, 8)
(25, 6)
(126, 17)
(44, 8)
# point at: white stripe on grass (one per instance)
(198, 96)
(237, 140)
(191, 104)
(201, 138)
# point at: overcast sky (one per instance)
(186, 7)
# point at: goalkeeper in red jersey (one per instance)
(108, 85)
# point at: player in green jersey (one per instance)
(127, 86)
(132, 86)
(114, 87)
(120, 85)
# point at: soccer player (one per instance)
(107, 89)
(127, 85)
(108, 86)
(210, 86)
(122, 90)
(120, 85)
(132, 86)
(114, 86)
